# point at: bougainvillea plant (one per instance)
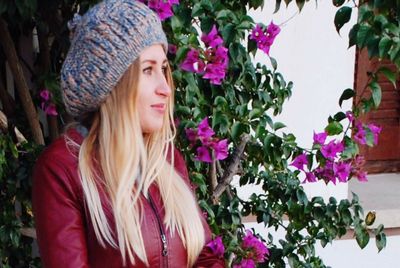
(225, 103)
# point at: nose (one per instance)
(163, 88)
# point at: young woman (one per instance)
(113, 191)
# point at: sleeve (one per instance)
(206, 258)
(59, 218)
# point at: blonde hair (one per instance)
(123, 161)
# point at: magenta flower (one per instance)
(265, 38)
(217, 63)
(326, 173)
(331, 149)
(163, 7)
(342, 170)
(310, 177)
(300, 161)
(375, 131)
(361, 176)
(221, 149)
(258, 249)
(172, 49)
(350, 116)
(245, 263)
(212, 39)
(204, 131)
(45, 94)
(191, 135)
(203, 154)
(273, 30)
(319, 138)
(360, 135)
(217, 247)
(192, 62)
(51, 110)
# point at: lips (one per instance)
(159, 107)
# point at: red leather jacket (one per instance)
(65, 234)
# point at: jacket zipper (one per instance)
(163, 237)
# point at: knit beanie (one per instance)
(104, 43)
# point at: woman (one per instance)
(113, 191)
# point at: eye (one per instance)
(147, 70)
(164, 69)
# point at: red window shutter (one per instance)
(385, 157)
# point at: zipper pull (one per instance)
(164, 241)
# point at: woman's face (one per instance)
(153, 90)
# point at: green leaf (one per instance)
(334, 128)
(376, 93)
(342, 16)
(176, 24)
(300, 4)
(347, 94)
(362, 237)
(391, 76)
(384, 46)
(301, 196)
(237, 129)
(255, 112)
(278, 125)
(256, 3)
(363, 35)
(228, 33)
(353, 35)
(380, 241)
(277, 5)
(338, 3)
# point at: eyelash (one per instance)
(149, 69)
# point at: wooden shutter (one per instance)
(385, 157)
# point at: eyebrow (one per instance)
(154, 61)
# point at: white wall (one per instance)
(310, 53)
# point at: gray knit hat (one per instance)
(105, 41)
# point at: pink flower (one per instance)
(45, 94)
(191, 135)
(326, 173)
(203, 154)
(212, 39)
(217, 247)
(217, 62)
(362, 176)
(163, 7)
(310, 177)
(300, 161)
(342, 171)
(265, 38)
(258, 249)
(273, 30)
(245, 263)
(331, 149)
(221, 149)
(172, 49)
(204, 131)
(350, 116)
(192, 62)
(51, 110)
(375, 131)
(319, 138)
(360, 135)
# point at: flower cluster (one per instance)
(255, 251)
(265, 37)
(162, 7)
(47, 106)
(212, 62)
(217, 247)
(332, 168)
(204, 133)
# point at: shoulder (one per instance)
(58, 163)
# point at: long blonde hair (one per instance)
(126, 163)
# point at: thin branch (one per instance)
(4, 128)
(232, 168)
(213, 173)
(20, 80)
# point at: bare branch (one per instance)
(232, 168)
(22, 85)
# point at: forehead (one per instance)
(154, 53)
